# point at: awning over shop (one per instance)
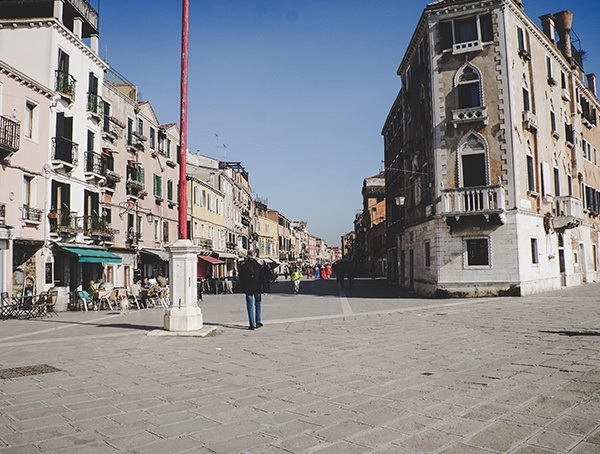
(89, 255)
(211, 260)
(163, 255)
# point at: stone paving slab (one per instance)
(372, 371)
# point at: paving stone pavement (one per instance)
(369, 369)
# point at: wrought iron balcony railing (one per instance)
(31, 214)
(94, 163)
(133, 237)
(9, 136)
(204, 243)
(64, 150)
(65, 83)
(112, 176)
(95, 226)
(2, 213)
(63, 222)
(94, 104)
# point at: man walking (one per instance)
(253, 282)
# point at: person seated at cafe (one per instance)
(92, 290)
(146, 283)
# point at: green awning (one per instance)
(86, 255)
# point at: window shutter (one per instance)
(445, 35)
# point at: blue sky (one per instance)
(297, 90)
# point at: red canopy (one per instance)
(211, 260)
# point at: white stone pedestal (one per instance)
(183, 314)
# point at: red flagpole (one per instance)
(183, 227)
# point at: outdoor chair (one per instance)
(84, 298)
(108, 300)
(8, 307)
(51, 302)
(39, 305)
(134, 295)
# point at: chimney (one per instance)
(548, 25)
(564, 21)
(520, 4)
(591, 80)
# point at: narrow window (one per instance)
(165, 231)
(530, 174)
(556, 183)
(526, 102)
(152, 138)
(140, 128)
(427, 254)
(521, 39)
(534, 251)
(157, 185)
(468, 89)
(30, 120)
(170, 190)
(552, 121)
(485, 23)
(478, 252)
(129, 131)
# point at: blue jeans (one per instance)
(253, 307)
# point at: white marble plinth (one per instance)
(187, 318)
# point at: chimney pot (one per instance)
(591, 80)
(564, 22)
(548, 25)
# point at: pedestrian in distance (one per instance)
(254, 282)
(317, 272)
(296, 277)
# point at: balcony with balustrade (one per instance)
(63, 223)
(205, 244)
(469, 115)
(64, 154)
(94, 167)
(485, 201)
(97, 228)
(31, 216)
(65, 85)
(10, 131)
(95, 106)
(568, 212)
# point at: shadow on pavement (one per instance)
(362, 288)
(573, 333)
(102, 325)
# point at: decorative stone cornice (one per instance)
(24, 80)
(60, 28)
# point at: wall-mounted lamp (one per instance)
(400, 200)
(150, 218)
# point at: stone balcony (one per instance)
(568, 212)
(469, 115)
(474, 201)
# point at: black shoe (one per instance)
(251, 327)
(259, 325)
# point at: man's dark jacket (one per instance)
(252, 278)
